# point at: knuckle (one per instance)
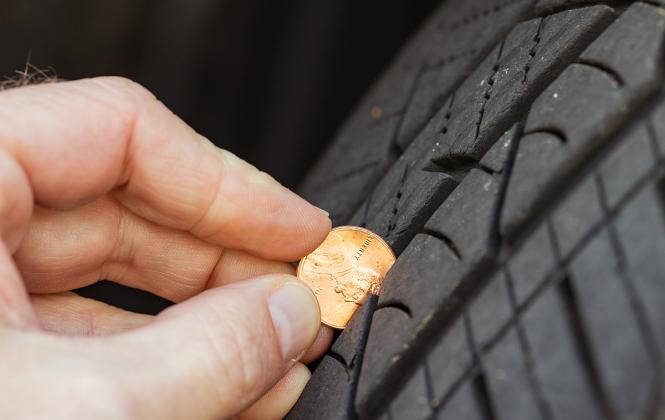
(125, 86)
(126, 96)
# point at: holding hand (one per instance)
(98, 180)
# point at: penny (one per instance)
(349, 265)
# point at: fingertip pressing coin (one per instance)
(349, 265)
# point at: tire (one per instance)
(514, 157)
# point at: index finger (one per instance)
(78, 140)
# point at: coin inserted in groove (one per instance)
(349, 265)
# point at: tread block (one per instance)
(643, 218)
(533, 54)
(559, 367)
(538, 155)
(463, 405)
(507, 375)
(448, 360)
(626, 164)
(490, 310)
(466, 217)
(575, 114)
(531, 263)
(417, 278)
(633, 50)
(327, 393)
(496, 157)
(576, 215)
(412, 402)
(346, 345)
(623, 363)
(407, 195)
(387, 344)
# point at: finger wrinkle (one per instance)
(222, 173)
(231, 352)
(211, 278)
(120, 255)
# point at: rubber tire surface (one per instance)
(514, 157)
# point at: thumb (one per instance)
(215, 354)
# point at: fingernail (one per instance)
(325, 213)
(295, 315)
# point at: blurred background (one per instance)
(270, 81)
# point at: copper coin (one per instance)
(349, 265)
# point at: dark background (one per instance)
(270, 81)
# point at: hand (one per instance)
(98, 180)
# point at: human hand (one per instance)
(98, 180)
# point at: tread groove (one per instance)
(620, 254)
(495, 237)
(455, 166)
(555, 276)
(482, 392)
(389, 414)
(646, 330)
(564, 7)
(527, 352)
(396, 305)
(339, 358)
(661, 194)
(603, 68)
(653, 139)
(350, 173)
(447, 241)
(360, 353)
(475, 15)
(429, 388)
(480, 386)
(450, 59)
(576, 324)
(396, 149)
(552, 131)
(366, 210)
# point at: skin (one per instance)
(98, 180)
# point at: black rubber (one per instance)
(514, 157)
